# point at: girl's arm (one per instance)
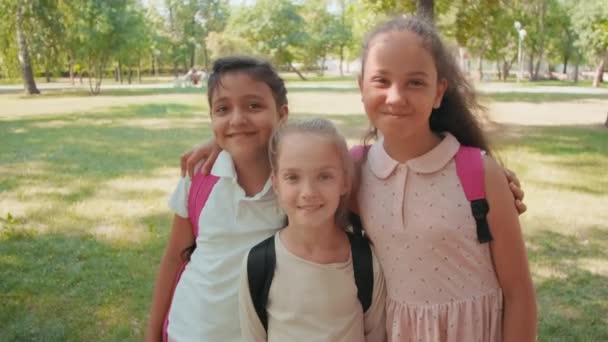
(375, 317)
(180, 239)
(510, 258)
(252, 329)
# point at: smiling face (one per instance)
(310, 179)
(400, 85)
(244, 113)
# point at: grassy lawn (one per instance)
(83, 215)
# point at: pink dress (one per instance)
(441, 284)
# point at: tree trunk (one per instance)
(47, 75)
(192, 56)
(426, 8)
(341, 60)
(130, 75)
(480, 67)
(599, 72)
(531, 67)
(71, 68)
(565, 69)
(322, 71)
(498, 71)
(537, 68)
(297, 72)
(27, 74)
(576, 71)
(206, 57)
(139, 71)
(120, 71)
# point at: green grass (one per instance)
(540, 97)
(83, 217)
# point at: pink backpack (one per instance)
(200, 189)
(470, 170)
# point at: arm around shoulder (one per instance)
(252, 329)
(510, 257)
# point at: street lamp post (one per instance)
(521, 33)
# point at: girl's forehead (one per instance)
(398, 51)
(240, 83)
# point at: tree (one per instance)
(273, 28)
(15, 17)
(24, 55)
(590, 22)
(426, 8)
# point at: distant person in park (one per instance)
(454, 270)
(235, 207)
(314, 280)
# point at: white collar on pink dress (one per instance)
(382, 165)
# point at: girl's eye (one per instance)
(379, 80)
(326, 176)
(254, 106)
(220, 110)
(416, 83)
(290, 178)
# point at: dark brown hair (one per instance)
(257, 69)
(459, 106)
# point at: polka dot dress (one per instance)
(441, 284)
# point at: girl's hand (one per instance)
(517, 191)
(206, 152)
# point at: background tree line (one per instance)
(90, 39)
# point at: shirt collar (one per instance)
(224, 168)
(382, 165)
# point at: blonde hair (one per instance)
(326, 129)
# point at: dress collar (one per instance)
(382, 165)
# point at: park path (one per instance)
(485, 87)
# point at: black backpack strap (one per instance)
(260, 271)
(363, 267)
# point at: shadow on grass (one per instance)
(94, 147)
(573, 303)
(582, 149)
(58, 287)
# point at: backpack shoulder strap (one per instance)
(200, 188)
(470, 170)
(363, 267)
(358, 152)
(261, 263)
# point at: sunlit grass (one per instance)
(83, 217)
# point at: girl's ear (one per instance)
(360, 82)
(273, 179)
(442, 86)
(283, 113)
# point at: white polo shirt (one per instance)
(205, 302)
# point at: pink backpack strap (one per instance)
(197, 197)
(470, 170)
(200, 189)
(358, 152)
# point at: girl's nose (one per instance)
(395, 95)
(238, 117)
(309, 190)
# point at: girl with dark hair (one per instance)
(450, 276)
(247, 99)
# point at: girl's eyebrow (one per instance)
(253, 96)
(418, 73)
(323, 168)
